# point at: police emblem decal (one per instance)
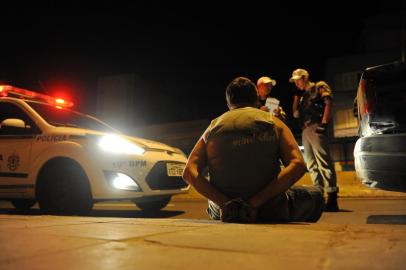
(13, 162)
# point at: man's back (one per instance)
(242, 151)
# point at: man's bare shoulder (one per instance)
(279, 124)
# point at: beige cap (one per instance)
(266, 80)
(298, 74)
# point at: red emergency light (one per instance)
(8, 90)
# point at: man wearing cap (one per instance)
(312, 105)
(241, 150)
(264, 87)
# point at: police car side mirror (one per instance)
(12, 123)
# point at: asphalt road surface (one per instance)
(353, 210)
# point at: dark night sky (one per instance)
(188, 53)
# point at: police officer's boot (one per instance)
(331, 205)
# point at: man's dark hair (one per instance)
(241, 92)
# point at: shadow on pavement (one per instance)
(101, 213)
(13, 211)
(386, 219)
(134, 213)
(344, 210)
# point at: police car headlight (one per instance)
(119, 145)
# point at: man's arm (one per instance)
(295, 106)
(324, 91)
(193, 174)
(290, 174)
(327, 110)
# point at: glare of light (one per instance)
(116, 144)
(60, 101)
(122, 181)
(301, 147)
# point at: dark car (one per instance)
(380, 151)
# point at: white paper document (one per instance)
(272, 104)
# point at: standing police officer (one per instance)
(312, 105)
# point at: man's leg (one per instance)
(321, 150)
(275, 210)
(305, 203)
(296, 204)
(311, 163)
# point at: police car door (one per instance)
(17, 132)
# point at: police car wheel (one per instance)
(63, 188)
(153, 205)
(23, 204)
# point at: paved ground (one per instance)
(59, 242)
(51, 242)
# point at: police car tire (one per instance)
(154, 205)
(23, 204)
(63, 188)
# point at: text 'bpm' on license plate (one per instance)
(174, 169)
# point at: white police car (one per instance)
(66, 161)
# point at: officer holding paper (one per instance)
(267, 103)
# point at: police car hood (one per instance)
(147, 144)
(151, 144)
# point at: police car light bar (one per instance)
(8, 90)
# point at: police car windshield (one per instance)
(68, 118)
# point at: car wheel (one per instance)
(154, 205)
(63, 188)
(23, 204)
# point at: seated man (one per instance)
(241, 150)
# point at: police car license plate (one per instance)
(174, 169)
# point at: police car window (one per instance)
(8, 110)
(69, 118)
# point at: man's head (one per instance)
(241, 92)
(264, 85)
(300, 77)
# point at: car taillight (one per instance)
(366, 99)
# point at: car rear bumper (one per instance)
(380, 161)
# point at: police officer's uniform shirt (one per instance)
(243, 151)
(312, 102)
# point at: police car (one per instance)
(66, 161)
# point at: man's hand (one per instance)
(264, 108)
(296, 114)
(321, 128)
(238, 211)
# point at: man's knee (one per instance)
(307, 203)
